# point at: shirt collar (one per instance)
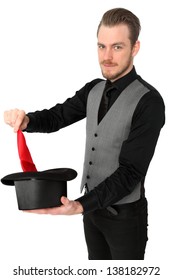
(123, 82)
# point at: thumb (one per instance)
(64, 200)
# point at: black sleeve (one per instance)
(61, 115)
(135, 156)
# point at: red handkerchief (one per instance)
(26, 161)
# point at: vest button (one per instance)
(90, 163)
(95, 134)
(93, 149)
(108, 94)
(88, 177)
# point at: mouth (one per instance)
(108, 65)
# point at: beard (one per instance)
(120, 72)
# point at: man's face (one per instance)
(115, 52)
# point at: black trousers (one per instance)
(117, 237)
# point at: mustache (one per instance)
(109, 63)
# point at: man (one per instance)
(124, 118)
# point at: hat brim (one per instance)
(57, 174)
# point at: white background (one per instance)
(47, 52)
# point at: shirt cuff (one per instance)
(30, 126)
(89, 202)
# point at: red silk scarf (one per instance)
(26, 161)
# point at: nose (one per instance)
(108, 55)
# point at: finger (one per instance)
(65, 201)
(14, 115)
(7, 117)
(36, 211)
(46, 211)
(19, 120)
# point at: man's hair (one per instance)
(122, 16)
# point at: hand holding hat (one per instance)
(68, 207)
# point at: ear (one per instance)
(136, 48)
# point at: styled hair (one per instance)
(122, 16)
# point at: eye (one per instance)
(117, 47)
(100, 46)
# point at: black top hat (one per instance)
(42, 189)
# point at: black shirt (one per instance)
(136, 152)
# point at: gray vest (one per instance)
(104, 140)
